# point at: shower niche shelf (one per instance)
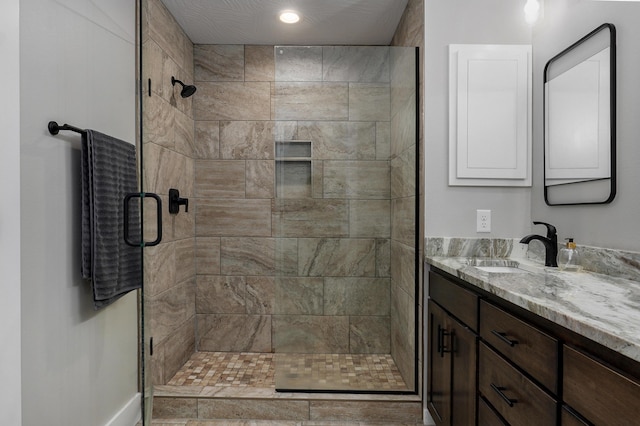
(293, 169)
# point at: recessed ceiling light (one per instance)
(289, 16)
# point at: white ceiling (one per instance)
(324, 22)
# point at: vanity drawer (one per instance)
(528, 347)
(600, 394)
(486, 415)
(518, 400)
(461, 303)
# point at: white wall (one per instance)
(451, 211)
(565, 21)
(10, 395)
(79, 367)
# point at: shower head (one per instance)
(187, 90)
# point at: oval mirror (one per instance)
(579, 121)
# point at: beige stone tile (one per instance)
(152, 59)
(317, 179)
(298, 63)
(224, 217)
(403, 266)
(184, 408)
(185, 259)
(369, 335)
(298, 296)
(178, 347)
(251, 140)
(159, 270)
(356, 63)
(403, 174)
(241, 333)
(383, 258)
(182, 225)
(253, 409)
(159, 122)
(334, 140)
(171, 92)
(233, 101)
(259, 63)
(310, 334)
(220, 179)
(184, 135)
(218, 62)
(366, 411)
(356, 296)
(369, 102)
(165, 31)
(403, 333)
(165, 169)
(168, 310)
(286, 130)
(260, 297)
(311, 101)
(410, 31)
(336, 257)
(403, 220)
(403, 121)
(310, 217)
(357, 179)
(218, 294)
(383, 140)
(207, 255)
(286, 256)
(155, 367)
(260, 178)
(207, 140)
(247, 256)
(370, 218)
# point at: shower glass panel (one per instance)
(344, 218)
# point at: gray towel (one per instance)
(108, 174)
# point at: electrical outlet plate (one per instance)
(483, 220)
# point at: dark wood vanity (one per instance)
(491, 362)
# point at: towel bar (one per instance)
(54, 128)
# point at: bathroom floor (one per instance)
(299, 371)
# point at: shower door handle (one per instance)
(142, 196)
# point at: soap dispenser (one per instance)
(568, 258)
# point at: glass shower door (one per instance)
(344, 218)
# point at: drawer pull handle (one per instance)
(503, 337)
(498, 390)
(441, 346)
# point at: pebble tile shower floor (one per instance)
(313, 371)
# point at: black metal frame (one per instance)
(612, 102)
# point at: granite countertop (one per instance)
(602, 308)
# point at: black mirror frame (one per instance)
(612, 104)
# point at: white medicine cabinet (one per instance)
(490, 115)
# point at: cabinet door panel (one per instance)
(439, 373)
(600, 394)
(463, 352)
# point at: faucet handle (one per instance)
(551, 230)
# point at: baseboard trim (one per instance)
(129, 414)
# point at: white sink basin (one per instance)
(501, 269)
(496, 266)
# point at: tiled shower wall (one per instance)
(305, 274)
(168, 134)
(410, 32)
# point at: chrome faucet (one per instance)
(550, 243)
